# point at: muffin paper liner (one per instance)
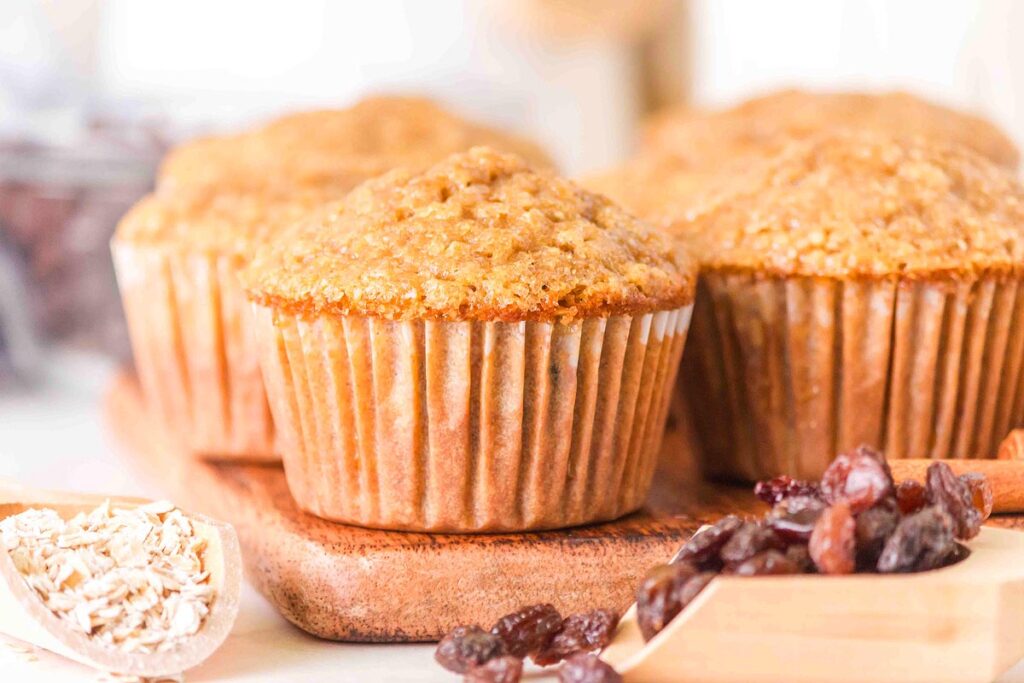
(196, 359)
(470, 426)
(783, 373)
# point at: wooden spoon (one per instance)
(962, 623)
(24, 616)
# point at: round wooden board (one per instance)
(348, 583)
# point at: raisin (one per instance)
(657, 597)
(750, 539)
(953, 495)
(579, 633)
(860, 478)
(801, 557)
(768, 563)
(528, 630)
(466, 647)
(921, 541)
(833, 541)
(910, 495)
(774, 491)
(793, 519)
(506, 669)
(703, 547)
(874, 527)
(587, 669)
(981, 492)
(692, 588)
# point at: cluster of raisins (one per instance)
(856, 519)
(538, 632)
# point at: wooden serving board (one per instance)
(348, 583)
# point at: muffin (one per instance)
(857, 289)
(177, 252)
(705, 139)
(317, 147)
(476, 347)
(660, 188)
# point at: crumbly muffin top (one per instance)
(227, 223)
(762, 125)
(659, 188)
(478, 236)
(317, 147)
(845, 204)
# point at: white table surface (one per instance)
(52, 435)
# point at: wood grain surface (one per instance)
(347, 583)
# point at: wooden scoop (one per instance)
(24, 616)
(961, 623)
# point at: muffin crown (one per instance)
(478, 236)
(858, 204)
(763, 124)
(316, 147)
(222, 223)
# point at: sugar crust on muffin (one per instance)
(479, 235)
(852, 203)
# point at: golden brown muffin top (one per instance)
(762, 124)
(229, 224)
(317, 147)
(658, 188)
(478, 236)
(848, 204)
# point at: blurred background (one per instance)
(92, 92)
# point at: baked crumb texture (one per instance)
(854, 204)
(857, 289)
(178, 250)
(321, 148)
(478, 236)
(706, 138)
(475, 347)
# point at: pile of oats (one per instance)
(131, 578)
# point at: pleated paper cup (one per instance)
(197, 362)
(470, 426)
(782, 373)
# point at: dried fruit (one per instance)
(750, 539)
(833, 545)
(579, 633)
(922, 541)
(505, 669)
(981, 493)
(587, 669)
(793, 519)
(859, 478)
(657, 597)
(874, 527)
(692, 588)
(910, 495)
(702, 550)
(528, 630)
(466, 647)
(768, 563)
(953, 495)
(774, 491)
(801, 557)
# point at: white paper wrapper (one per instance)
(783, 373)
(188, 321)
(463, 426)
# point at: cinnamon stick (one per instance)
(1005, 476)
